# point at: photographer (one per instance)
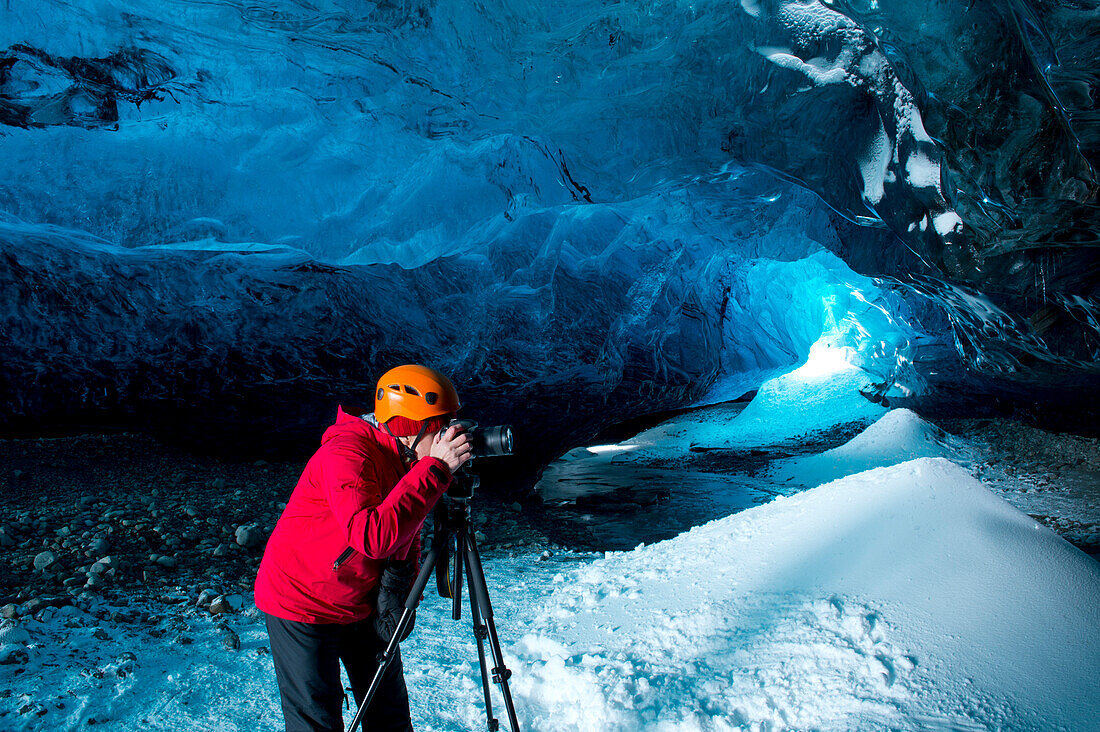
(346, 549)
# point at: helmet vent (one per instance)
(395, 387)
(411, 390)
(431, 397)
(381, 393)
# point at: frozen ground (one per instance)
(904, 594)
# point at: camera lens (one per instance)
(494, 441)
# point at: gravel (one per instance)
(125, 517)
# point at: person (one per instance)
(345, 551)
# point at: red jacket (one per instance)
(353, 492)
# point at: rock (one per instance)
(9, 611)
(169, 562)
(12, 654)
(101, 634)
(95, 581)
(218, 484)
(100, 547)
(248, 536)
(222, 550)
(34, 605)
(45, 560)
(230, 639)
(205, 598)
(221, 605)
(33, 708)
(517, 507)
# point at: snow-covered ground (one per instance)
(904, 594)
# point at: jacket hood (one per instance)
(350, 420)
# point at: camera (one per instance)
(487, 441)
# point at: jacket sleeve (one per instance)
(379, 526)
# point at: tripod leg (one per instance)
(387, 656)
(480, 633)
(456, 587)
(479, 595)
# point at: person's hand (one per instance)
(393, 588)
(385, 625)
(452, 446)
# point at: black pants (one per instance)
(307, 665)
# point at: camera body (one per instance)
(486, 442)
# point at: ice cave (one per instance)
(793, 307)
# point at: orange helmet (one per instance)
(414, 392)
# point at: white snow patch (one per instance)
(898, 436)
(905, 597)
(922, 172)
(947, 223)
(874, 165)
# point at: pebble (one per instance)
(45, 560)
(166, 561)
(230, 639)
(248, 536)
(220, 606)
(100, 547)
(9, 611)
(33, 708)
(221, 550)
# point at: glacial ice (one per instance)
(229, 207)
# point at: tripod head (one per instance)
(465, 483)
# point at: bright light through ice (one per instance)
(825, 359)
(598, 449)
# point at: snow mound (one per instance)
(897, 436)
(907, 597)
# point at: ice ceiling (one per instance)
(233, 213)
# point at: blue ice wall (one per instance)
(583, 211)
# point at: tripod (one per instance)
(452, 525)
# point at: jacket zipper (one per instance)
(342, 558)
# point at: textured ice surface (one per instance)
(582, 186)
(613, 309)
